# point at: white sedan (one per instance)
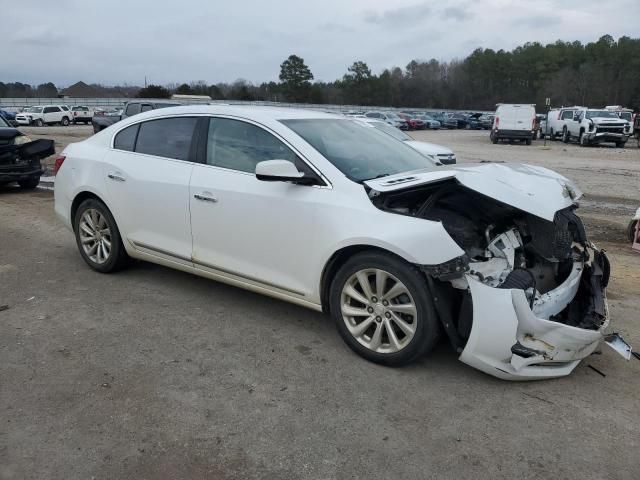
(315, 209)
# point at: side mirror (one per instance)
(279, 171)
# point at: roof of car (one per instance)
(248, 111)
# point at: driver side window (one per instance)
(239, 145)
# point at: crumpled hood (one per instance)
(536, 190)
(428, 148)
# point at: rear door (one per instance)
(525, 116)
(52, 114)
(147, 175)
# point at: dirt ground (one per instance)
(153, 373)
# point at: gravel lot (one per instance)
(153, 373)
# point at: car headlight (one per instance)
(21, 140)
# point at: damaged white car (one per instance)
(323, 212)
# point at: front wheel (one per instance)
(383, 309)
(65, 122)
(98, 237)
(39, 123)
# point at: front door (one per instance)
(259, 232)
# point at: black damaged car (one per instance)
(20, 157)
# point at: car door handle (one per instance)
(117, 178)
(205, 198)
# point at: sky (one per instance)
(118, 41)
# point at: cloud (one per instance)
(40, 36)
(333, 27)
(400, 17)
(537, 21)
(455, 13)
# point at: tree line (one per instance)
(604, 72)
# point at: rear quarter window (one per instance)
(126, 139)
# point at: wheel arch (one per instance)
(336, 261)
(81, 197)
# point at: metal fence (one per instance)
(19, 103)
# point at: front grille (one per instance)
(601, 129)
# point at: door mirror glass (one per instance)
(278, 171)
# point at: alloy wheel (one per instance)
(95, 236)
(378, 310)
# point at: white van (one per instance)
(514, 122)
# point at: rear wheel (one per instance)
(551, 135)
(493, 137)
(383, 309)
(65, 121)
(620, 144)
(39, 123)
(98, 237)
(29, 183)
(565, 135)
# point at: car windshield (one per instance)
(601, 114)
(393, 131)
(3, 122)
(360, 152)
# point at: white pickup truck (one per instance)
(590, 126)
(82, 114)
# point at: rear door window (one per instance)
(567, 115)
(167, 137)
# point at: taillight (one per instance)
(533, 124)
(497, 122)
(58, 163)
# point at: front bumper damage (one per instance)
(600, 136)
(515, 339)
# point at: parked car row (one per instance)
(414, 120)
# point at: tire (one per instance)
(65, 122)
(420, 328)
(98, 213)
(528, 141)
(584, 142)
(39, 123)
(565, 135)
(631, 231)
(29, 183)
(620, 144)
